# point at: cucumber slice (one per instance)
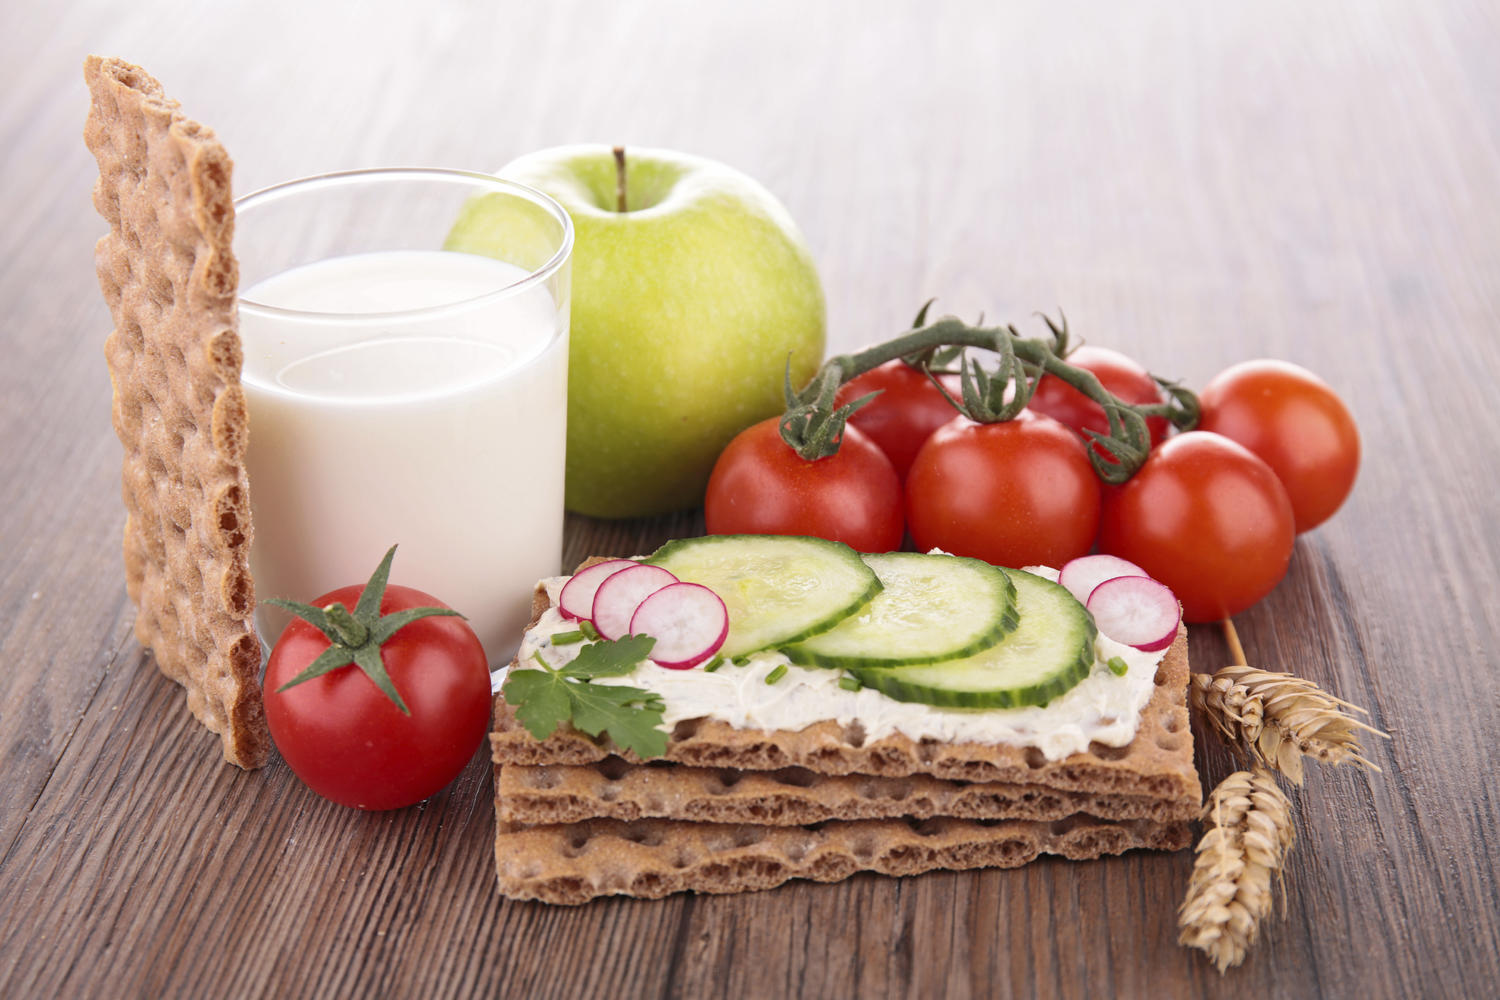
(933, 607)
(1050, 652)
(778, 589)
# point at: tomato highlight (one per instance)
(1208, 519)
(1296, 424)
(1015, 493)
(760, 486)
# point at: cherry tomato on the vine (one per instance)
(907, 411)
(760, 486)
(1296, 424)
(1016, 493)
(1121, 375)
(1208, 519)
(347, 740)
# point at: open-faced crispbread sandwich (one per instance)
(895, 713)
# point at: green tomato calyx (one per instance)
(356, 637)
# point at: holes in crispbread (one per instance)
(686, 729)
(541, 777)
(649, 885)
(613, 768)
(1035, 759)
(230, 530)
(238, 592)
(826, 756)
(748, 836)
(1105, 752)
(854, 734)
(646, 837)
(225, 352)
(797, 777)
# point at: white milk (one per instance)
(441, 431)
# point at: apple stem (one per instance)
(620, 179)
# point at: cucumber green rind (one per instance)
(933, 608)
(778, 589)
(894, 686)
(1014, 673)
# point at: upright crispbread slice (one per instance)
(169, 277)
(573, 863)
(1157, 764)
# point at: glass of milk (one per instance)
(407, 385)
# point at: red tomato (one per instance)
(1296, 424)
(760, 486)
(1016, 493)
(349, 742)
(907, 411)
(1119, 374)
(1208, 519)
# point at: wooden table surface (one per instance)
(1193, 184)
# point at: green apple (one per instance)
(687, 308)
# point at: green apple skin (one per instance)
(686, 310)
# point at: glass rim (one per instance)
(341, 178)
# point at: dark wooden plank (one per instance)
(1195, 185)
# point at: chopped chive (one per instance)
(568, 638)
(850, 683)
(741, 661)
(1117, 666)
(776, 674)
(587, 628)
(714, 664)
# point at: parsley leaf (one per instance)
(609, 659)
(608, 708)
(540, 698)
(545, 697)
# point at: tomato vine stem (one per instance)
(813, 426)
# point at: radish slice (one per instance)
(1080, 576)
(1137, 611)
(577, 598)
(621, 593)
(689, 622)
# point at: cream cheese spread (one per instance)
(1103, 707)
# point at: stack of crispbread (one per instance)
(730, 810)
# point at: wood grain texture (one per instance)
(1194, 184)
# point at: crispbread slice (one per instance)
(169, 277)
(615, 789)
(574, 863)
(1157, 764)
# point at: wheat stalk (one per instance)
(1249, 834)
(1276, 719)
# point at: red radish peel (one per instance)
(621, 593)
(1080, 576)
(688, 621)
(1137, 611)
(577, 598)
